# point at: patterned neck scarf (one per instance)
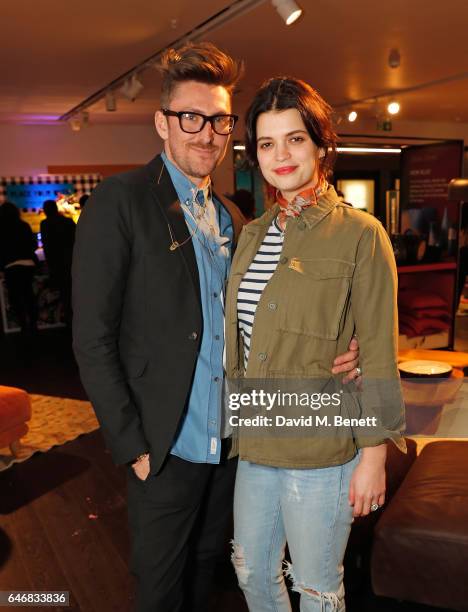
(302, 200)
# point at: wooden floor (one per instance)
(64, 527)
(63, 522)
(63, 517)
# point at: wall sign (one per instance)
(426, 172)
(34, 195)
(30, 192)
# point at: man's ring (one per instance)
(358, 371)
(374, 507)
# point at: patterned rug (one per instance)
(54, 421)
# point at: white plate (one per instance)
(424, 367)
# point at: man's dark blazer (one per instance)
(137, 322)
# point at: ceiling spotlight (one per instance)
(131, 88)
(394, 58)
(75, 124)
(79, 121)
(393, 108)
(111, 104)
(288, 10)
(352, 116)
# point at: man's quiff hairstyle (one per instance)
(202, 62)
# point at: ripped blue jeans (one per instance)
(309, 510)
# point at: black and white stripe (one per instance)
(254, 282)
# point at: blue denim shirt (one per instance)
(198, 439)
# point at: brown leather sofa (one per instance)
(420, 544)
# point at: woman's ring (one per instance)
(374, 507)
(358, 371)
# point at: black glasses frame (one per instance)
(211, 119)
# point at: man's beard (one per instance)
(200, 168)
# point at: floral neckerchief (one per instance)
(302, 200)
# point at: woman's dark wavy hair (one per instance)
(282, 93)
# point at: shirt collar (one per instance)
(186, 189)
(308, 197)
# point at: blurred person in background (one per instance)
(18, 263)
(83, 200)
(58, 238)
(245, 202)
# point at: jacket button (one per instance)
(193, 335)
(283, 260)
(262, 356)
(272, 305)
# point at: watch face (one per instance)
(421, 250)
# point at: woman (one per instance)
(306, 276)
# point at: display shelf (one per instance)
(430, 267)
(439, 279)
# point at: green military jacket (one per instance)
(336, 277)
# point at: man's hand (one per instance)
(348, 362)
(142, 467)
(367, 485)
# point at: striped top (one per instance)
(254, 282)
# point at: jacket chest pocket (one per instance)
(317, 295)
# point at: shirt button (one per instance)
(215, 294)
(217, 337)
(283, 260)
(216, 379)
(193, 335)
(272, 305)
(262, 356)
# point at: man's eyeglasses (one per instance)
(192, 123)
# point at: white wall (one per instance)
(28, 150)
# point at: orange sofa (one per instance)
(15, 411)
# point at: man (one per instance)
(151, 259)
(58, 238)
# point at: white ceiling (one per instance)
(55, 54)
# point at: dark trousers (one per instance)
(178, 526)
(61, 279)
(19, 280)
